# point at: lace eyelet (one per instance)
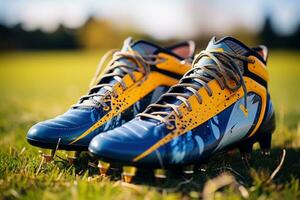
(183, 62)
(252, 61)
(172, 117)
(170, 127)
(106, 108)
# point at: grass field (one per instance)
(38, 85)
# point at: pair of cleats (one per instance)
(159, 108)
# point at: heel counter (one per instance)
(269, 121)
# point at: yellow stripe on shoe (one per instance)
(210, 107)
(137, 90)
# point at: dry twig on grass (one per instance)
(278, 167)
(219, 182)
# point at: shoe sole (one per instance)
(129, 170)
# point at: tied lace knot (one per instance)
(224, 68)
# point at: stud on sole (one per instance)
(160, 173)
(72, 156)
(246, 151)
(203, 167)
(188, 171)
(128, 173)
(265, 143)
(103, 167)
(47, 154)
(265, 136)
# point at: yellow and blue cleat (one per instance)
(220, 104)
(136, 76)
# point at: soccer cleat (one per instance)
(222, 103)
(136, 76)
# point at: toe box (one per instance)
(62, 129)
(128, 141)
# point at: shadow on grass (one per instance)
(259, 170)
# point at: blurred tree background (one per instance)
(105, 34)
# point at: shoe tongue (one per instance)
(228, 44)
(143, 48)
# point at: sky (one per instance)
(162, 19)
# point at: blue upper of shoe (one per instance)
(125, 143)
(68, 126)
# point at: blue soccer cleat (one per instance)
(220, 104)
(136, 76)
